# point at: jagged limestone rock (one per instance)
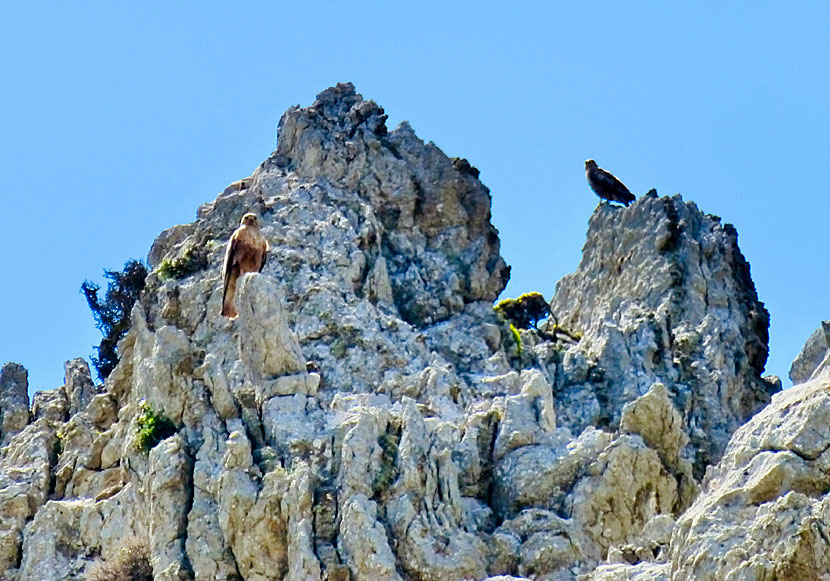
(368, 416)
(654, 417)
(14, 401)
(814, 358)
(434, 210)
(623, 489)
(266, 345)
(664, 295)
(363, 542)
(764, 510)
(169, 489)
(25, 476)
(78, 384)
(622, 572)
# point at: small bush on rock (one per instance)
(189, 261)
(524, 312)
(151, 428)
(131, 563)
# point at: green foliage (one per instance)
(130, 563)
(524, 312)
(112, 314)
(189, 261)
(151, 428)
(517, 337)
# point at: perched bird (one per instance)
(247, 250)
(605, 185)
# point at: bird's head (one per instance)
(590, 164)
(249, 220)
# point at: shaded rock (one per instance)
(542, 476)
(14, 401)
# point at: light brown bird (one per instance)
(247, 251)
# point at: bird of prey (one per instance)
(606, 186)
(247, 250)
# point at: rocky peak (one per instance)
(14, 400)
(664, 295)
(368, 415)
(432, 211)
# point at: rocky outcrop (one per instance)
(765, 510)
(664, 295)
(368, 415)
(814, 358)
(14, 401)
(78, 385)
(431, 225)
(26, 458)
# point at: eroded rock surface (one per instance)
(664, 295)
(368, 416)
(765, 509)
(814, 358)
(14, 401)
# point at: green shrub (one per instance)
(112, 315)
(151, 428)
(130, 563)
(190, 260)
(524, 312)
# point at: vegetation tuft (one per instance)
(517, 337)
(131, 563)
(524, 312)
(112, 314)
(151, 428)
(189, 261)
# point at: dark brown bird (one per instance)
(247, 251)
(606, 186)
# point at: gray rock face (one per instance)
(765, 508)
(367, 415)
(25, 477)
(663, 295)
(430, 212)
(78, 384)
(14, 401)
(814, 358)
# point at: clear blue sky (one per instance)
(118, 119)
